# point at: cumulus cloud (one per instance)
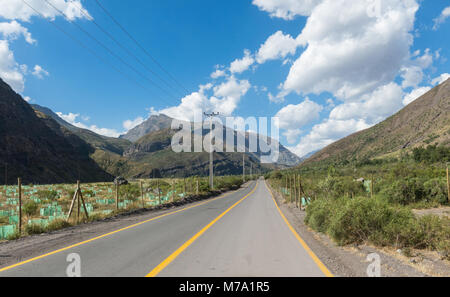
(445, 14)
(294, 117)
(241, 65)
(287, 9)
(18, 10)
(326, 133)
(415, 94)
(72, 118)
(346, 55)
(13, 30)
(130, 124)
(277, 46)
(440, 79)
(218, 73)
(10, 70)
(39, 72)
(373, 107)
(225, 99)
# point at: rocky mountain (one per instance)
(39, 150)
(157, 123)
(424, 122)
(153, 124)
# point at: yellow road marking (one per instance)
(302, 242)
(175, 254)
(111, 233)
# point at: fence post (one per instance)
(159, 191)
(448, 184)
(173, 191)
(197, 191)
(142, 195)
(117, 195)
(19, 181)
(78, 201)
(371, 186)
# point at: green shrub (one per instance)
(30, 208)
(47, 195)
(57, 224)
(34, 229)
(406, 191)
(436, 190)
(130, 192)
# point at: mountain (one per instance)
(423, 122)
(39, 150)
(110, 144)
(153, 124)
(157, 123)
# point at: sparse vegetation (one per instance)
(344, 208)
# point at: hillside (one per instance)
(114, 145)
(423, 122)
(38, 149)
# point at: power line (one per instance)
(110, 51)
(130, 53)
(140, 46)
(87, 48)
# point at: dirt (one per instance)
(440, 212)
(351, 261)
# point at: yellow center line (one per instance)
(319, 263)
(111, 233)
(175, 254)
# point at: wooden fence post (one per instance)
(19, 181)
(173, 191)
(197, 191)
(142, 195)
(117, 195)
(448, 184)
(159, 191)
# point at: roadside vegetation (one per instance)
(343, 207)
(45, 207)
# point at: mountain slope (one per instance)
(157, 123)
(423, 122)
(153, 124)
(114, 145)
(38, 149)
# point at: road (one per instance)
(240, 234)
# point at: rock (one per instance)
(120, 181)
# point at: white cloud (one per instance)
(218, 73)
(277, 46)
(415, 94)
(10, 71)
(294, 117)
(12, 31)
(441, 18)
(275, 99)
(440, 79)
(241, 65)
(287, 9)
(346, 55)
(27, 99)
(412, 76)
(18, 10)
(373, 107)
(326, 133)
(225, 100)
(71, 118)
(39, 72)
(130, 124)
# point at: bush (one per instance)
(30, 208)
(130, 192)
(57, 224)
(47, 195)
(406, 191)
(361, 220)
(34, 229)
(436, 190)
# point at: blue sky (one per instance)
(326, 68)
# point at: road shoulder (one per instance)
(351, 261)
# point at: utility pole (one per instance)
(211, 153)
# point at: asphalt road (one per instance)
(240, 234)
